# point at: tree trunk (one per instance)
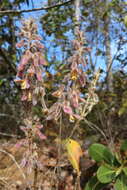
(77, 14)
(109, 78)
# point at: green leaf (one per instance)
(125, 170)
(100, 153)
(119, 170)
(125, 20)
(124, 146)
(1, 82)
(94, 184)
(105, 174)
(118, 160)
(122, 110)
(121, 183)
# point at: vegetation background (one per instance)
(104, 26)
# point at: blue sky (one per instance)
(49, 40)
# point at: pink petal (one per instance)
(20, 44)
(67, 110)
(42, 137)
(43, 61)
(24, 60)
(36, 61)
(31, 70)
(39, 45)
(20, 143)
(74, 99)
(21, 67)
(24, 162)
(39, 76)
(24, 97)
(77, 116)
(38, 37)
(23, 128)
(39, 126)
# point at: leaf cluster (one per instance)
(112, 167)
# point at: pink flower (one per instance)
(39, 126)
(77, 116)
(21, 67)
(42, 61)
(31, 71)
(20, 44)
(20, 143)
(37, 37)
(39, 45)
(42, 136)
(24, 60)
(68, 110)
(24, 97)
(36, 60)
(74, 99)
(39, 75)
(24, 162)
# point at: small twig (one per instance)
(77, 184)
(9, 135)
(3, 179)
(7, 115)
(43, 103)
(12, 157)
(59, 144)
(35, 9)
(74, 129)
(35, 177)
(93, 126)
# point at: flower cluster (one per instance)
(30, 76)
(32, 130)
(70, 98)
(31, 68)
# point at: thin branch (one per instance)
(110, 66)
(77, 16)
(4, 181)
(6, 115)
(9, 135)
(94, 126)
(9, 116)
(12, 157)
(75, 127)
(35, 9)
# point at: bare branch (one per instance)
(35, 9)
(9, 135)
(13, 158)
(77, 15)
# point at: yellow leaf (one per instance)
(29, 96)
(74, 75)
(71, 119)
(48, 85)
(74, 153)
(125, 20)
(23, 84)
(58, 74)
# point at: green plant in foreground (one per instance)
(112, 168)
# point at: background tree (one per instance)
(9, 114)
(105, 32)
